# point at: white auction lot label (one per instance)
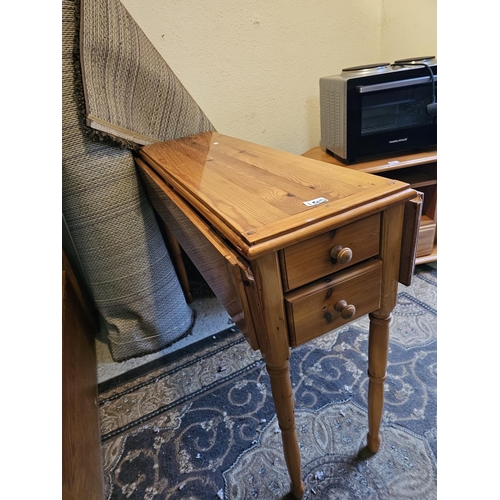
(317, 201)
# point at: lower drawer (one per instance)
(333, 301)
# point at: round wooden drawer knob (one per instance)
(341, 255)
(347, 311)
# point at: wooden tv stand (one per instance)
(420, 171)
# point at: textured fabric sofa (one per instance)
(118, 93)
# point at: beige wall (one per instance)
(408, 29)
(254, 66)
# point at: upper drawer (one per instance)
(314, 258)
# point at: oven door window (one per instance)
(395, 109)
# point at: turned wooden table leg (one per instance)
(275, 348)
(378, 340)
(174, 250)
(378, 347)
(284, 403)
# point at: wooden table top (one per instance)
(255, 196)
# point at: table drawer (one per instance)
(312, 259)
(333, 301)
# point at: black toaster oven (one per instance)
(380, 109)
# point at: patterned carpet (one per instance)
(199, 423)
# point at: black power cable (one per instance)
(431, 108)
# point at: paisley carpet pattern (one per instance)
(199, 423)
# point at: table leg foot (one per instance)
(373, 442)
(297, 492)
